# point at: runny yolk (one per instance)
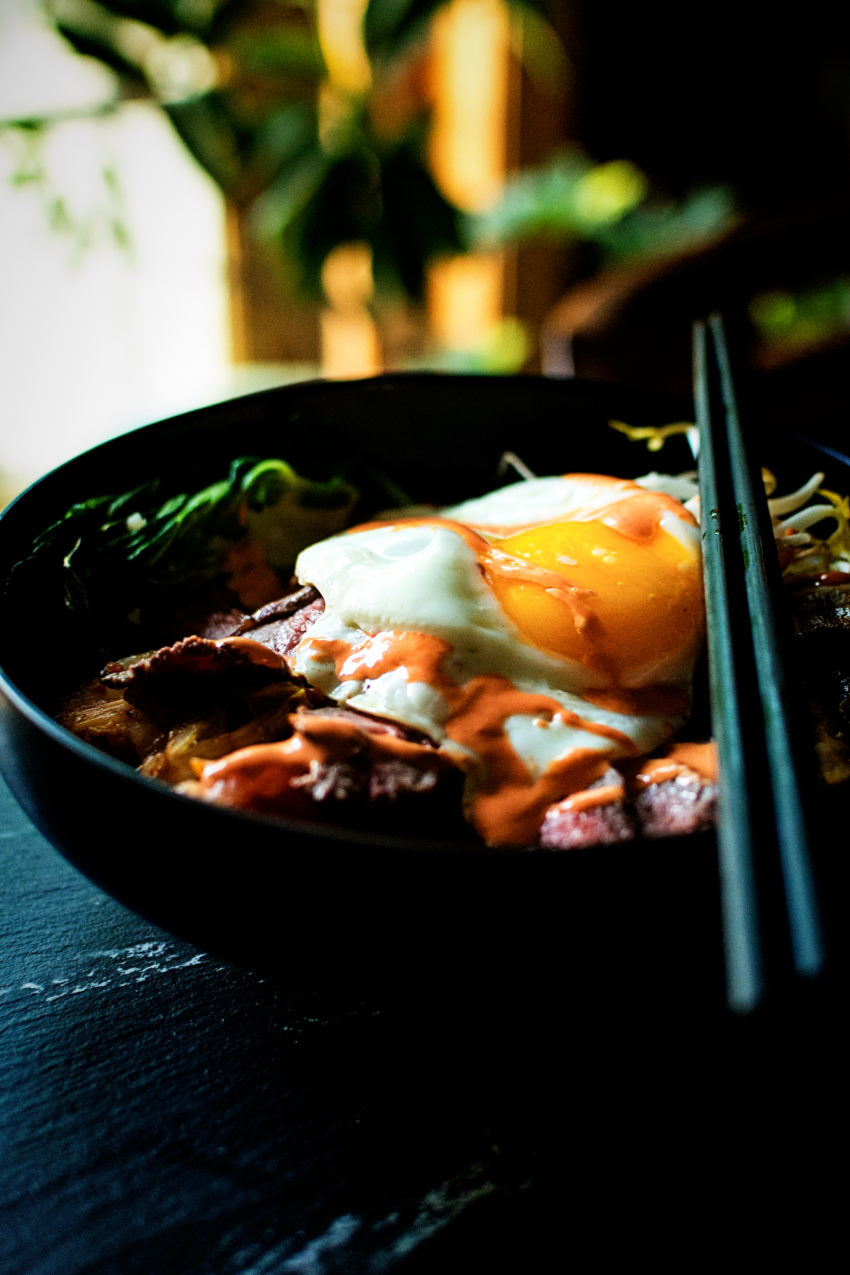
(622, 600)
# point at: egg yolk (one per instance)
(625, 605)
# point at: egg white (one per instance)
(535, 501)
(571, 498)
(425, 578)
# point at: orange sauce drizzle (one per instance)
(587, 798)
(260, 773)
(639, 516)
(682, 756)
(508, 805)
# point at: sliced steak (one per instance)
(191, 657)
(281, 625)
(820, 655)
(661, 797)
(260, 641)
(599, 815)
(821, 610)
(676, 806)
(342, 766)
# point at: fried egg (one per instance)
(533, 634)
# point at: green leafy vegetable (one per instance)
(119, 554)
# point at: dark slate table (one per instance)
(162, 1111)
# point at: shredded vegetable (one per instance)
(118, 554)
(796, 523)
(803, 552)
(655, 436)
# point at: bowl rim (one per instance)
(318, 833)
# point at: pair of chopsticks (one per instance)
(773, 936)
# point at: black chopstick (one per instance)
(763, 834)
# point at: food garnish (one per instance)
(655, 436)
(118, 559)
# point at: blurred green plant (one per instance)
(312, 161)
(309, 163)
(610, 205)
(804, 318)
(83, 227)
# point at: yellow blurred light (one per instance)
(347, 277)
(469, 138)
(470, 66)
(465, 299)
(340, 32)
(351, 345)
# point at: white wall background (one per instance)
(98, 332)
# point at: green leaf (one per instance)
(279, 211)
(572, 199)
(283, 50)
(390, 27)
(670, 226)
(208, 130)
(543, 201)
(160, 14)
(542, 51)
(417, 225)
(344, 206)
(118, 553)
(90, 45)
(289, 138)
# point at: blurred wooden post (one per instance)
(487, 119)
(470, 154)
(350, 344)
(268, 324)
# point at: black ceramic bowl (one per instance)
(640, 919)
